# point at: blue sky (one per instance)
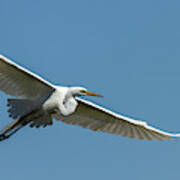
(129, 51)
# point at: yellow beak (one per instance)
(93, 94)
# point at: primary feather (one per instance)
(92, 116)
(18, 81)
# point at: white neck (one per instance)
(69, 105)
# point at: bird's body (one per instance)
(61, 101)
(39, 102)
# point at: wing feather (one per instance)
(134, 133)
(92, 116)
(18, 81)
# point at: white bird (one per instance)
(40, 101)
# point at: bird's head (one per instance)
(80, 91)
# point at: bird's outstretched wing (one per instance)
(89, 115)
(18, 81)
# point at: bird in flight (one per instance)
(38, 102)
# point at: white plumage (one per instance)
(40, 101)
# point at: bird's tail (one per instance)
(34, 119)
(24, 112)
(19, 109)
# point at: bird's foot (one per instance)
(3, 137)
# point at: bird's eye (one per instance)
(83, 91)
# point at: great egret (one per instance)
(41, 101)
